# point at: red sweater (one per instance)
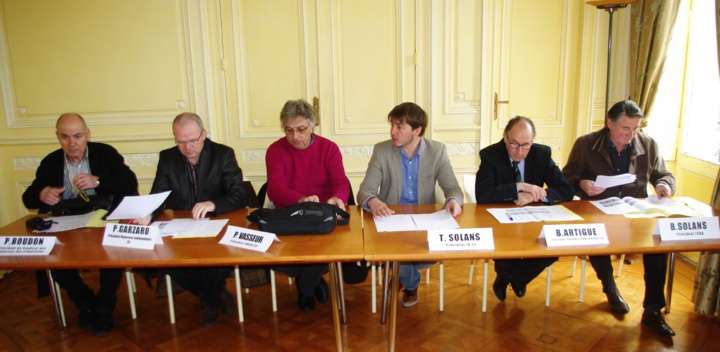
(296, 173)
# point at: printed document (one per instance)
(650, 207)
(189, 228)
(533, 214)
(72, 222)
(439, 220)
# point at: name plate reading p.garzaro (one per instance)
(460, 239)
(685, 229)
(26, 245)
(253, 240)
(130, 236)
(574, 235)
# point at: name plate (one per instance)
(253, 240)
(574, 235)
(460, 239)
(130, 236)
(684, 229)
(26, 245)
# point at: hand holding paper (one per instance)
(612, 181)
(134, 207)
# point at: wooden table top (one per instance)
(521, 240)
(82, 248)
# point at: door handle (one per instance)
(495, 105)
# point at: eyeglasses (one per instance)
(516, 145)
(299, 130)
(192, 141)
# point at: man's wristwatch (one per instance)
(98, 182)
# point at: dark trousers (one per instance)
(655, 266)
(83, 297)
(204, 282)
(307, 276)
(522, 271)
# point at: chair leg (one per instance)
(373, 288)
(272, 289)
(60, 305)
(427, 276)
(671, 277)
(238, 292)
(380, 273)
(171, 301)
(57, 300)
(582, 279)
(622, 261)
(289, 281)
(470, 275)
(485, 281)
(574, 265)
(131, 291)
(547, 286)
(442, 285)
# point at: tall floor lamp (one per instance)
(610, 6)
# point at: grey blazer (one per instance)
(383, 178)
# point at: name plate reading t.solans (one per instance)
(574, 235)
(26, 245)
(685, 229)
(460, 239)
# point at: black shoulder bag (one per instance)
(301, 218)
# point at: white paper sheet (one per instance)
(612, 181)
(439, 220)
(189, 228)
(69, 222)
(133, 207)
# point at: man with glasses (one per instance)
(305, 167)
(204, 177)
(82, 168)
(616, 149)
(404, 170)
(515, 169)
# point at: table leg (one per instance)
(334, 299)
(386, 287)
(671, 277)
(341, 291)
(393, 307)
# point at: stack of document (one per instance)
(72, 222)
(650, 207)
(533, 214)
(190, 228)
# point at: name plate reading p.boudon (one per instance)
(253, 240)
(26, 245)
(131, 236)
(684, 229)
(574, 235)
(460, 239)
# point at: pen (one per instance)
(509, 217)
(81, 194)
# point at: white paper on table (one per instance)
(613, 205)
(133, 207)
(161, 228)
(399, 222)
(440, 220)
(69, 222)
(189, 228)
(612, 181)
(533, 214)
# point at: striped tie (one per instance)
(518, 178)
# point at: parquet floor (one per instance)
(28, 324)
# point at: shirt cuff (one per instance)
(456, 199)
(365, 203)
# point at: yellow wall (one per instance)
(130, 66)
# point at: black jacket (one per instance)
(116, 178)
(219, 179)
(495, 180)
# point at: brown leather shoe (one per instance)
(410, 298)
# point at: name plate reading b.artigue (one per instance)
(130, 236)
(253, 240)
(26, 245)
(684, 229)
(460, 239)
(574, 235)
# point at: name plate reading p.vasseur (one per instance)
(574, 235)
(460, 239)
(685, 229)
(26, 245)
(253, 240)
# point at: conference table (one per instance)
(82, 248)
(520, 240)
